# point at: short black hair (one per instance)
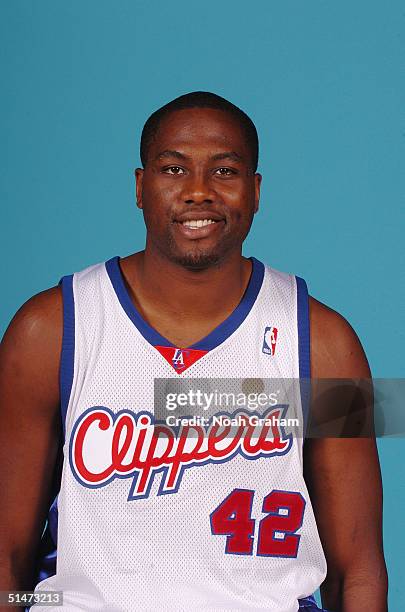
(199, 99)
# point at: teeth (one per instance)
(196, 223)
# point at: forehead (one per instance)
(199, 129)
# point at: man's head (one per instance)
(199, 188)
(200, 99)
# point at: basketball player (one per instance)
(137, 522)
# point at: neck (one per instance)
(199, 293)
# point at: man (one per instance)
(142, 521)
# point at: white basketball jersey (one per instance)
(155, 515)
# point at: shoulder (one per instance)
(336, 351)
(31, 347)
(41, 314)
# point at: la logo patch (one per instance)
(180, 359)
(270, 340)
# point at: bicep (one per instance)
(342, 469)
(29, 427)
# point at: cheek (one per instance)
(241, 202)
(158, 199)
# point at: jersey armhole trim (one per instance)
(304, 348)
(68, 346)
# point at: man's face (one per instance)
(198, 191)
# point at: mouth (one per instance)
(198, 226)
(194, 224)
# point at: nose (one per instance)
(198, 190)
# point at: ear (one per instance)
(139, 182)
(258, 182)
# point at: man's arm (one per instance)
(30, 433)
(344, 481)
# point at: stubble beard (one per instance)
(196, 259)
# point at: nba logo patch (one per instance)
(270, 340)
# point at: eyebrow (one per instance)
(232, 155)
(170, 153)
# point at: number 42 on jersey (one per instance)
(276, 535)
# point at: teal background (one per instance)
(323, 82)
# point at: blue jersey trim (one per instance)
(214, 338)
(303, 328)
(68, 346)
(304, 347)
(48, 547)
(308, 604)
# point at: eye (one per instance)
(174, 170)
(225, 171)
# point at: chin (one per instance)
(196, 261)
(195, 256)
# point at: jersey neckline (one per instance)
(216, 337)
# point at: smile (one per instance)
(197, 223)
(195, 229)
